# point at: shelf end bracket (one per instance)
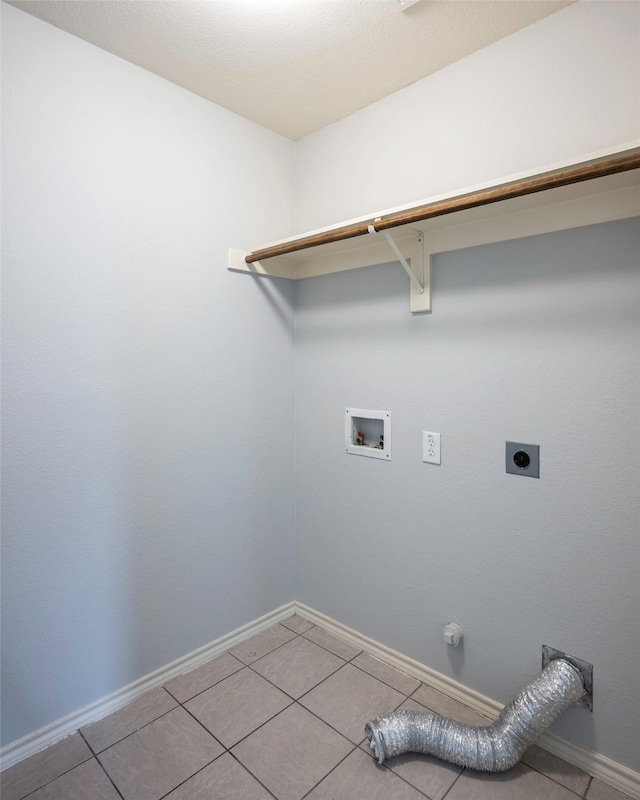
(418, 270)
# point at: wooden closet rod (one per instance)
(549, 180)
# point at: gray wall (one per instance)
(555, 91)
(534, 340)
(148, 393)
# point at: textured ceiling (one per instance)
(291, 65)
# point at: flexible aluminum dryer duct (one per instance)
(493, 748)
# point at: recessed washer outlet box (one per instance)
(586, 670)
(523, 459)
(368, 433)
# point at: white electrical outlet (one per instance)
(431, 447)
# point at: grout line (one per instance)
(111, 781)
(393, 772)
(386, 683)
(240, 661)
(100, 764)
(237, 658)
(84, 739)
(301, 635)
(414, 691)
(344, 736)
(364, 672)
(275, 649)
(457, 778)
(66, 772)
(333, 769)
(262, 724)
(269, 651)
(427, 710)
(455, 700)
(215, 683)
(357, 748)
(318, 685)
(544, 775)
(404, 700)
(329, 725)
(298, 633)
(295, 699)
(204, 727)
(348, 660)
(126, 736)
(255, 777)
(175, 698)
(192, 776)
(255, 661)
(200, 666)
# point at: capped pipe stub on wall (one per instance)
(452, 634)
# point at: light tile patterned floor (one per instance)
(280, 716)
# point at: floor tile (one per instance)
(349, 699)
(160, 756)
(297, 666)
(359, 778)
(330, 642)
(383, 672)
(430, 775)
(116, 726)
(35, 771)
(427, 774)
(306, 750)
(297, 623)
(186, 686)
(448, 707)
(602, 791)
(236, 706)
(225, 779)
(290, 754)
(83, 782)
(520, 782)
(262, 643)
(556, 768)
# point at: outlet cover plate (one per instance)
(586, 669)
(532, 468)
(430, 447)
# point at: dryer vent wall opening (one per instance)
(494, 748)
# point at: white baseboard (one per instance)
(601, 767)
(593, 763)
(49, 734)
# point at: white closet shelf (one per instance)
(603, 188)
